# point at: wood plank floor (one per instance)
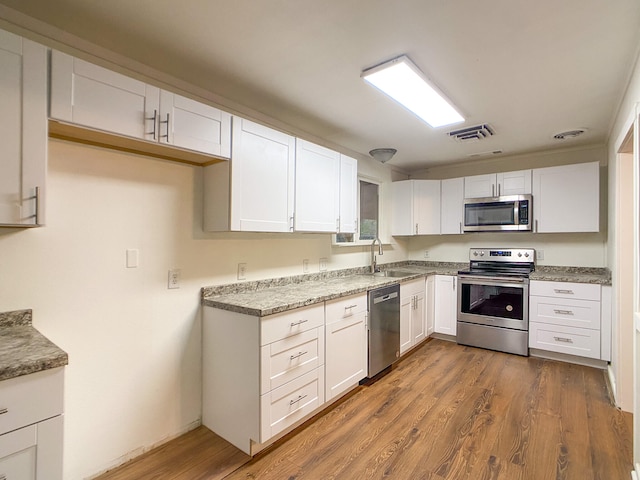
(445, 412)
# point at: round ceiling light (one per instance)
(383, 155)
(569, 134)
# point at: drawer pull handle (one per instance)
(2, 412)
(292, 402)
(350, 306)
(563, 291)
(563, 339)
(293, 357)
(299, 322)
(563, 312)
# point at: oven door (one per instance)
(495, 301)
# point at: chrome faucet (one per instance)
(374, 266)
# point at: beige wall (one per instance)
(134, 346)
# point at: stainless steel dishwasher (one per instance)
(383, 328)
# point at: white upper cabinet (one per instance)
(317, 191)
(23, 130)
(348, 195)
(253, 192)
(451, 205)
(567, 198)
(91, 96)
(189, 124)
(498, 184)
(416, 207)
(262, 178)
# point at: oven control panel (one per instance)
(517, 255)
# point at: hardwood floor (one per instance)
(445, 412)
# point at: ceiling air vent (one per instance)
(470, 134)
(569, 134)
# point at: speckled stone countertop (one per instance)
(266, 297)
(24, 350)
(601, 276)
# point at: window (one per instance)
(368, 216)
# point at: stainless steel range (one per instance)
(493, 299)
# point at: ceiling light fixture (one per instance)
(406, 84)
(383, 155)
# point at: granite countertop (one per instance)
(601, 276)
(24, 350)
(266, 297)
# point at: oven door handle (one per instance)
(490, 280)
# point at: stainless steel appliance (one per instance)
(383, 328)
(494, 214)
(493, 299)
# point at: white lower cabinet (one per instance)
(261, 375)
(568, 318)
(346, 343)
(445, 304)
(31, 426)
(412, 314)
(284, 406)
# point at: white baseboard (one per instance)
(613, 387)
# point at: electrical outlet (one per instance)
(174, 278)
(323, 264)
(305, 266)
(539, 254)
(242, 271)
(426, 254)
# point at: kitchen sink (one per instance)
(393, 273)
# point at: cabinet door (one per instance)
(478, 186)
(18, 454)
(402, 221)
(406, 341)
(346, 354)
(514, 183)
(23, 130)
(426, 198)
(418, 323)
(567, 198)
(451, 205)
(262, 176)
(317, 189)
(430, 305)
(189, 124)
(92, 96)
(445, 304)
(348, 194)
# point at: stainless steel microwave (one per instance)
(498, 214)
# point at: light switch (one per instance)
(132, 258)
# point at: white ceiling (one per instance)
(529, 69)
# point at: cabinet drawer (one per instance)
(414, 287)
(556, 338)
(282, 325)
(290, 403)
(345, 307)
(30, 398)
(581, 291)
(284, 360)
(18, 454)
(567, 312)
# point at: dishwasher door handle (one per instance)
(385, 298)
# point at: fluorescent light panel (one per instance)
(404, 82)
